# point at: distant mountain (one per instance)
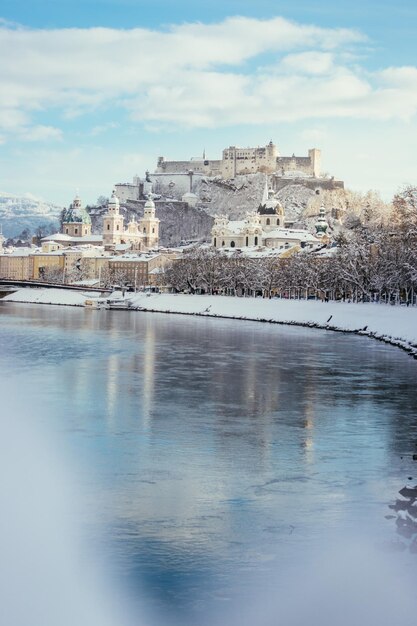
(18, 213)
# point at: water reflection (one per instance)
(215, 449)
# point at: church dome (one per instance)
(76, 213)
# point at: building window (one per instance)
(268, 221)
(278, 222)
(153, 230)
(232, 244)
(256, 241)
(215, 242)
(247, 241)
(108, 226)
(66, 230)
(76, 231)
(117, 227)
(144, 229)
(222, 243)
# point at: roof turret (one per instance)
(321, 225)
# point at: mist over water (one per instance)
(171, 470)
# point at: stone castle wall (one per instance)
(240, 161)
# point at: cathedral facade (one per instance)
(141, 235)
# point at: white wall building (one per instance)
(264, 227)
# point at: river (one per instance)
(213, 451)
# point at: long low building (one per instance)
(72, 264)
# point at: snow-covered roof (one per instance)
(289, 233)
(236, 226)
(19, 252)
(135, 257)
(81, 240)
(57, 237)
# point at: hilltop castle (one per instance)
(237, 161)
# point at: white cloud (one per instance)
(308, 62)
(40, 133)
(195, 75)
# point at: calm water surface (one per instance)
(214, 450)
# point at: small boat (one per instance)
(95, 304)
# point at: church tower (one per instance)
(149, 225)
(112, 223)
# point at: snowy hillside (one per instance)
(233, 197)
(20, 212)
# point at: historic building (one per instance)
(76, 221)
(141, 235)
(138, 235)
(265, 227)
(237, 161)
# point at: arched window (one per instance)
(153, 230)
(66, 230)
(247, 241)
(108, 226)
(222, 243)
(232, 244)
(256, 241)
(117, 227)
(144, 229)
(215, 242)
(278, 222)
(268, 221)
(76, 231)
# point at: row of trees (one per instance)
(373, 262)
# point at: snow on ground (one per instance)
(49, 296)
(394, 324)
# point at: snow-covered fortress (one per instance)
(235, 161)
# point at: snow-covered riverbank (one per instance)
(396, 325)
(49, 296)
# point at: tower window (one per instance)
(117, 227)
(108, 226)
(268, 221)
(232, 244)
(247, 241)
(215, 242)
(153, 230)
(144, 229)
(256, 241)
(277, 222)
(76, 231)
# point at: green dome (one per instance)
(76, 214)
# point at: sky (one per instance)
(93, 91)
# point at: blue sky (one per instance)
(93, 92)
